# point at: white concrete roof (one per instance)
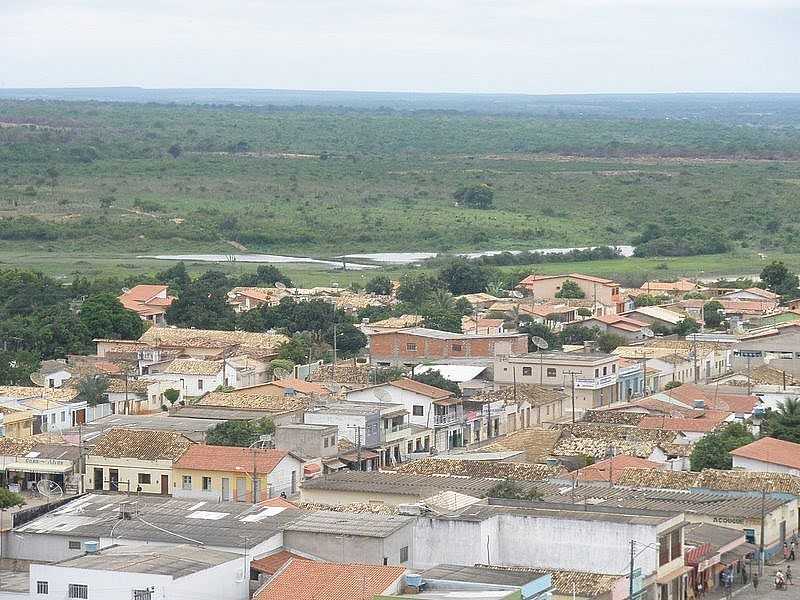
(457, 373)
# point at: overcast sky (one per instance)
(529, 46)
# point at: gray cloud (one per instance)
(533, 46)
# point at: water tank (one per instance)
(414, 580)
(699, 403)
(91, 547)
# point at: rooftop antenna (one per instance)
(49, 489)
(542, 345)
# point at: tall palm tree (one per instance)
(790, 407)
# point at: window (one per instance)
(142, 594)
(663, 551)
(325, 442)
(333, 440)
(675, 543)
(417, 410)
(385, 561)
(411, 347)
(457, 347)
(605, 370)
(613, 368)
(42, 587)
(750, 536)
(187, 482)
(597, 372)
(527, 371)
(199, 384)
(73, 545)
(63, 416)
(144, 478)
(404, 554)
(51, 383)
(551, 372)
(207, 484)
(78, 591)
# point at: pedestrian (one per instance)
(744, 576)
(793, 550)
(700, 589)
(785, 551)
(755, 582)
(789, 574)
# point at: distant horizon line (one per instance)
(4, 88)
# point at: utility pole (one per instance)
(750, 381)
(514, 379)
(630, 575)
(333, 368)
(255, 475)
(358, 444)
(761, 539)
(694, 351)
(573, 373)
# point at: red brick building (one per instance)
(414, 345)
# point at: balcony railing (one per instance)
(446, 419)
(394, 433)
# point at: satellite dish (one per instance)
(281, 373)
(647, 332)
(280, 286)
(516, 294)
(540, 343)
(49, 489)
(383, 396)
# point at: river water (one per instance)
(377, 258)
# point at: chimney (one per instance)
(589, 346)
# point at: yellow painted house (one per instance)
(221, 473)
(134, 460)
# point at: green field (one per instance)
(87, 186)
(629, 271)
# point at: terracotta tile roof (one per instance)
(611, 469)
(705, 424)
(480, 468)
(595, 439)
(271, 563)
(306, 580)
(712, 479)
(768, 331)
(534, 278)
(537, 444)
(749, 481)
(535, 395)
(142, 299)
(135, 386)
(671, 449)
(142, 293)
(771, 450)
(766, 375)
(244, 399)
(398, 322)
(423, 389)
(682, 285)
(566, 583)
(201, 457)
(619, 319)
(688, 393)
(141, 444)
(209, 338)
(299, 385)
(345, 373)
(651, 478)
(763, 293)
(193, 366)
(19, 392)
(626, 415)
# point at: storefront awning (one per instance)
(28, 467)
(667, 577)
(738, 553)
